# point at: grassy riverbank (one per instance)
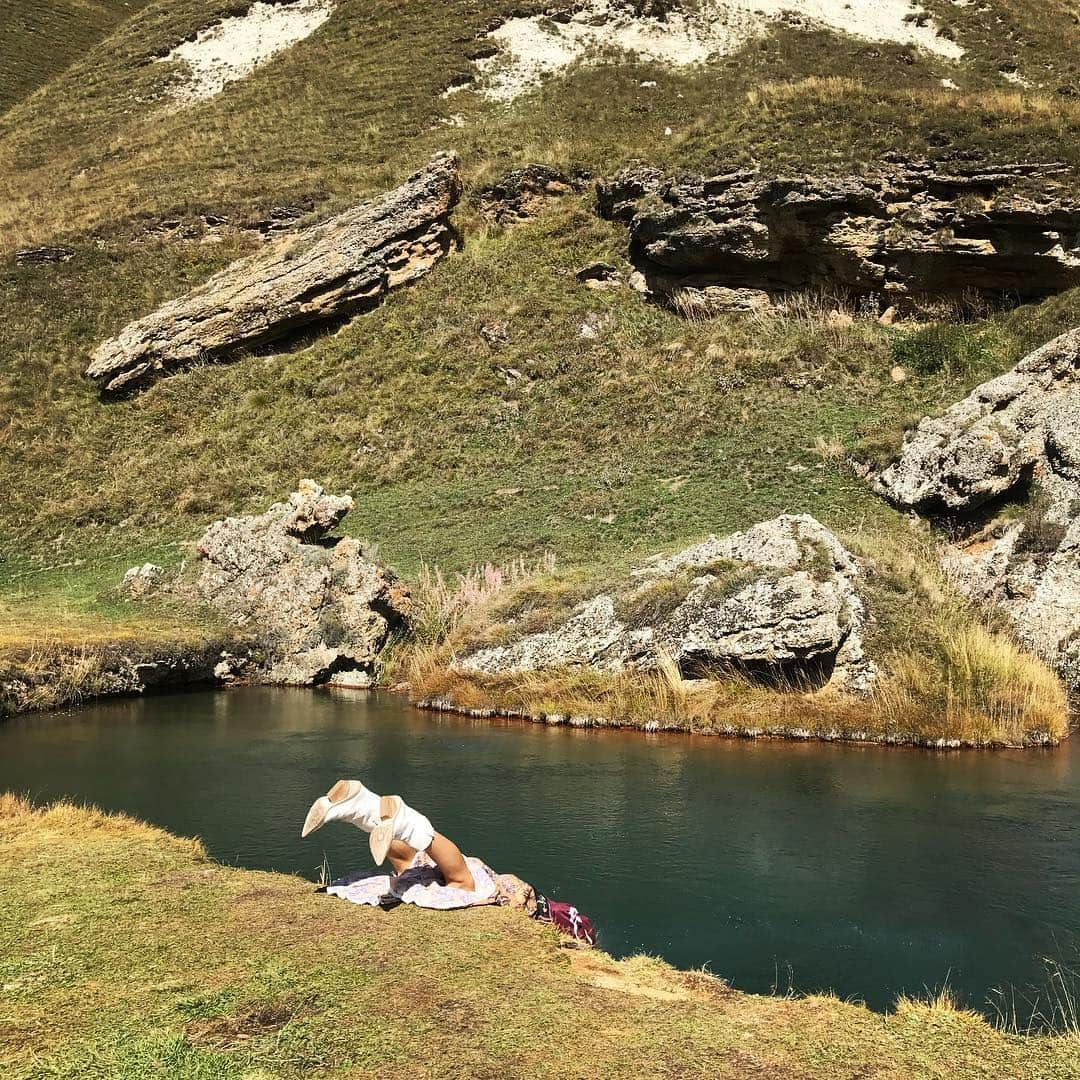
(947, 676)
(126, 952)
(68, 635)
(499, 408)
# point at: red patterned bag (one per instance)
(565, 918)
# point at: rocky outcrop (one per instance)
(1000, 435)
(321, 608)
(326, 272)
(522, 193)
(903, 235)
(36, 255)
(142, 581)
(1016, 436)
(777, 603)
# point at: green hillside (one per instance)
(42, 37)
(650, 432)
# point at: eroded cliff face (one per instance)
(1016, 437)
(321, 274)
(905, 235)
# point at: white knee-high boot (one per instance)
(404, 824)
(347, 800)
(384, 818)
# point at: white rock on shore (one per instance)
(320, 606)
(1016, 435)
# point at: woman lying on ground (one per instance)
(398, 832)
(394, 829)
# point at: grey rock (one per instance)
(321, 608)
(37, 255)
(778, 603)
(600, 275)
(1024, 422)
(1016, 434)
(326, 272)
(141, 581)
(523, 193)
(903, 234)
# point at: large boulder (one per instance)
(904, 233)
(321, 608)
(1004, 432)
(334, 269)
(1018, 436)
(777, 603)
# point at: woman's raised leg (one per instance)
(448, 858)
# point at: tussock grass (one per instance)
(127, 953)
(439, 605)
(1053, 1006)
(938, 1006)
(982, 685)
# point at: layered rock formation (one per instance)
(326, 272)
(320, 607)
(904, 235)
(1018, 436)
(777, 603)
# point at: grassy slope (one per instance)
(651, 434)
(125, 952)
(42, 37)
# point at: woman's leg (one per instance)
(400, 856)
(444, 853)
(448, 858)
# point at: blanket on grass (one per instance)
(422, 884)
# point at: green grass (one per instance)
(127, 953)
(352, 107)
(654, 433)
(42, 37)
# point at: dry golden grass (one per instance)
(984, 686)
(1016, 701)
(999, 103)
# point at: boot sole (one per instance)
(316, 816)
(382, 836)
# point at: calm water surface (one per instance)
(861, 870)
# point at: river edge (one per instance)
(730, 731)
(71, 677)
(37, 680)
(235, 970)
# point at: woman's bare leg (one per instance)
(400, 855)
(448, 858)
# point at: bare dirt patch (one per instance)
(234, 47)
(531, 48)
(229, 1032)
